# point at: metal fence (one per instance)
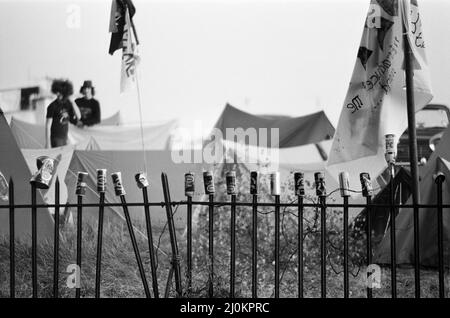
(322, 205)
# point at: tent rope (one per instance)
(140, 118)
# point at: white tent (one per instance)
(13, 165)
(109, 137)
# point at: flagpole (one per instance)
(132, 24)
(134, 31)
(127, 11)
(413, 153)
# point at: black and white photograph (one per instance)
(224, 156)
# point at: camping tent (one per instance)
(285, 162)
(293, 131)
(438, 162)
(112, 137)
(13, 165)
(379, 216)
(112, 120)
(304, 143)
(129, 163)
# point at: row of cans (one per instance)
(140, 177)
(230, 177)
(299, 183)
(209, 187)
(208, 181)
(364, 178)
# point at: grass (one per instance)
(120, 275)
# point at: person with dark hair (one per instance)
(59, 113)
(89, 106)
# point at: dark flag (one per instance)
(118, 21)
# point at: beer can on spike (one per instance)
(141, 180)
(101, 180)
(275, 183)
(319, 180)
(344, 184)
(117, 182)
(81, 184)
(366, 184)
(208, 181)
(42, 178)
(4, 188)
(254, 182)
(231, 182)
(189, 184)
(390, 150)
(299, 179)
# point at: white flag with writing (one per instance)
(129, 57)
(375, 104)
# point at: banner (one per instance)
(129, 57)
(375, 104)
(118, 22)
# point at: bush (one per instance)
(266, 239)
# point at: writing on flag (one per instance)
(122, 31)
(375, 103)
(129, 57)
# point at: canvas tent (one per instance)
(13, 165)
(286, 163)
(438, 162)
(112, 120)
(380, 215)
(293, 131)
(129, 163)
(126, 137)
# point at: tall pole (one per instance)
(413, 154)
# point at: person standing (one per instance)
(60, 113)
(89, 106)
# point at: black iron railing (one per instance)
(322, 205)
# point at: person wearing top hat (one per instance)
(89, 106)
(60, 113)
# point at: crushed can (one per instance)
(366, 184)
(101, 180)
(117, 182)
(299, 180)
(208, 181)
(81, 183)
(231, 182)
(275, 183)
(189, 184)
(254, 182)
(42, 178)
(390, 153)
(4, 188)
(319, 180)
(141, 180)
(344, 184)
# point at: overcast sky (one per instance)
(272, 57)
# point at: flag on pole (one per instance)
(375, 104)
(117, 22)
(121, 26)
(129, 57)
